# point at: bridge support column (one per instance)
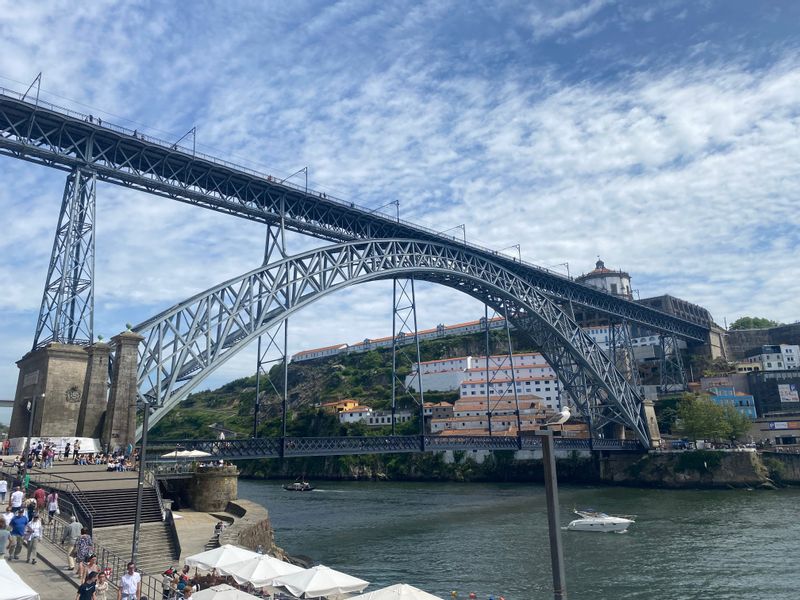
(51, 382)
(66, 314)
(652, 423)
(95, 392)
(119, 428)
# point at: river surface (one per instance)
(492, 539)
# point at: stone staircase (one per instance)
(113, 507)
(156, 549)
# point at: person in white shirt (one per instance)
(3, 490)
(8, 515)
(130, 584)
(33, 533)
(17, 497)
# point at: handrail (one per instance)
(85, 511)
(151, 586)
(173, 533)
(150, 479)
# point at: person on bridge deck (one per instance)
(66, 451)
(3, 489)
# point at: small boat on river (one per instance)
(593, 520)
(298, 486)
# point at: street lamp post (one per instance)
(554, 527)
(140, 486)
(26, 452)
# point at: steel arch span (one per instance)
(186, 343)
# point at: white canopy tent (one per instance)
(260, 570)
(225, 555)
(12, 587)
(320, 582)
(186, 454)
(399, 591)
(223, 592)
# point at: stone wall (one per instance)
(742, 341)
(212, 488)
(704, 469)
(54, 377)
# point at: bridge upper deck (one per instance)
(64, 139)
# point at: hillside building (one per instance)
(779, 357)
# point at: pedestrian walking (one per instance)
(87, 589)
(33, 533)
(130, 584)
(17, 497)
(52, 505)
(3, 489)
(69, 537)
(101, 591)
(18, 524)
(83, 548)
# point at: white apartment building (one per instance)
(779, 357)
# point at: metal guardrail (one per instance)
(83, 508)
(106, 559)
(335, 446)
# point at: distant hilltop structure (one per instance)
(617, 283)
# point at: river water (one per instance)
(492, 539)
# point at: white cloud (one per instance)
(684, 175)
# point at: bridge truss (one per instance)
(187, 342)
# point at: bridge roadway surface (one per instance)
(59, 138)
(244, 449)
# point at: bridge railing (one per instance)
(165, 466)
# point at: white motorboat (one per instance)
(592, 520)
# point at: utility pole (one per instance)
(554, 527)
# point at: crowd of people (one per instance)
(44, 456)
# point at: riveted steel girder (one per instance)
(49, 135)
(189, 341)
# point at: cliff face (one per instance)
(705, 469)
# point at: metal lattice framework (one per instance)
(50, 135)
(67, 311)
(189, 341)
(338, 446)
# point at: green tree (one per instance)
(737, 423)
(752, 323)
(699, 418)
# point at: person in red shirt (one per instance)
(40, 496)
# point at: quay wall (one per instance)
(701, 469)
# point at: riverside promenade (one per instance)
(106, 500)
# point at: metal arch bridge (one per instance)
(61, 139)
(187, 342)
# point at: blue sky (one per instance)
(662, 136)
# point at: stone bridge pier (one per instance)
(62, 392)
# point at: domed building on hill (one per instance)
(613, 282)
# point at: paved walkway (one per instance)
(194, 529)
(51, 582)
